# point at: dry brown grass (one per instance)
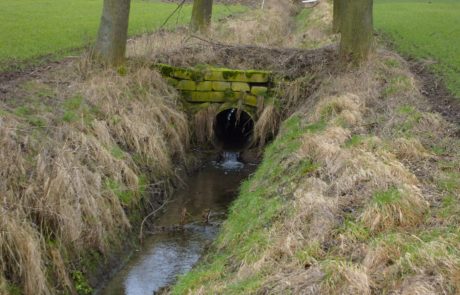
(394, 208)
(318, 31)
(345, 278)
(266, 125)
(142, 112)
(362, 219)
(203, 124)
(68, 188)
(268, 27)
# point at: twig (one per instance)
(172, 14)
(207, 41)
(147, 217)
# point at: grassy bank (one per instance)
(425, 30)
(82, 161)
(358, 194)
(31, 29)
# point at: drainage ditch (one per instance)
(192, 219)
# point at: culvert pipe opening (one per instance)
(233, 129)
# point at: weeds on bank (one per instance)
(348, 199)
(71, 182)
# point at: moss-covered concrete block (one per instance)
(204, 96)
(257, 76)
(234, 96)
(171, 81)
(237, 76)
(186, 85)
(221, 86)
(240, 87)
(165, 70)
(204, 86)
(250, 100)
(214, 74)
(259, 90)
(182, 74)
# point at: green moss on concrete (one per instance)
(258, 76)
(240, 87)
(229, 75)
(221, 86)
(165, 70)
(186, 85)
(204, 86)
(250, 100)
(182, 74)
(259, 90)
(204, 96)
(213, 75)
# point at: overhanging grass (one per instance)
(33, 28)
(246, 234)
(425, 30)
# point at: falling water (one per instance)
(230, 161)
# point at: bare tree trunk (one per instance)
(337, 16)
(357, 30)
(201, 16)
(113, 32)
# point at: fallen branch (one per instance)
(172, 14)
(141, 235)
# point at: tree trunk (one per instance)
(201, 16)
(113, 32)
(357, 30)
(337, 15)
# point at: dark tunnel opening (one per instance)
(233, 130)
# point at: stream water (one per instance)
(171, 251)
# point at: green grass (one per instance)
(246, 234)
(387, 197)
(34, 28)
(425, 30)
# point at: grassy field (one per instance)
(426, 30)
(33, 28)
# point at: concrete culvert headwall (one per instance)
(233, 129)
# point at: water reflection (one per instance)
(165, 255)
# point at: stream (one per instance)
(166, 254)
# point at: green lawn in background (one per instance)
(33, 28)
(424, 29)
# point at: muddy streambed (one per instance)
(170, 251)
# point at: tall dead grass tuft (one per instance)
(345, 278)
(141, 111)
(266, 125)
(345, 109)
(395, 208)
(294, 93)
(203, 123)
(69, 188)
(21, 252)
(409, 149)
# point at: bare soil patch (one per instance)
(441, 99)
